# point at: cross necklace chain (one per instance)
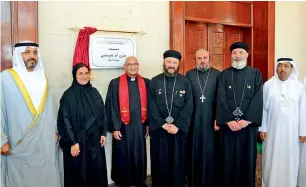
(238, 113)
(202, 98)
(169, 119)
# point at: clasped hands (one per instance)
(237, 125)
(170, 128)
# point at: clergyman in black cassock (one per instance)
(82, 126)
(239, 114)
(127, 116)
(201, 139)
(170, 110)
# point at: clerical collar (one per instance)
(131, 78)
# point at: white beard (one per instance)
(239, 64)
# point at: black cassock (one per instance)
(82, 120)
(201, 150)
(168, 151)
(129, 160)
(237, 149)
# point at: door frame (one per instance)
(261, 21)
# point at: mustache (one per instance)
(237, 59)
(31, 59)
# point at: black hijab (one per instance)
(80, 103)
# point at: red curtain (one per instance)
(82, 46)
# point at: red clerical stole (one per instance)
(124, 102)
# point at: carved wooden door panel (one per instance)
(196, 38)
(216, 38)
(216, 45)
(220, 38)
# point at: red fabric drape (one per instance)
(82, 46)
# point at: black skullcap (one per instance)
(284, 60)
(26, 44)
(241, 45)
(172, 53)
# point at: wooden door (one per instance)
(216, 45)
(217, 38)
(255, 19)
(196, 38)
(220, 38)
(18, 22)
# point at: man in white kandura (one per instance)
(302, 166)
(28, 123)
(283, 125)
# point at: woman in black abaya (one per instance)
(82, 127)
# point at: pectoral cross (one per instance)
(124, 111)
(237, 113)
(202, 98)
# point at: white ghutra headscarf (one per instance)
(294, 74)
(35, 81)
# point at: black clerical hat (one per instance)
(172, 53)
(241, 45)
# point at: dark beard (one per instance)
(171, 74)
(29, 65)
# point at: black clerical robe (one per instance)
(168, 151)
(201, 150)
(129, 160)
(237, 149)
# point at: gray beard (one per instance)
(239, 64)
(203, 69)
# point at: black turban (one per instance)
(172, 53)
(241, 45)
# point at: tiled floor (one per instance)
(258, 174)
